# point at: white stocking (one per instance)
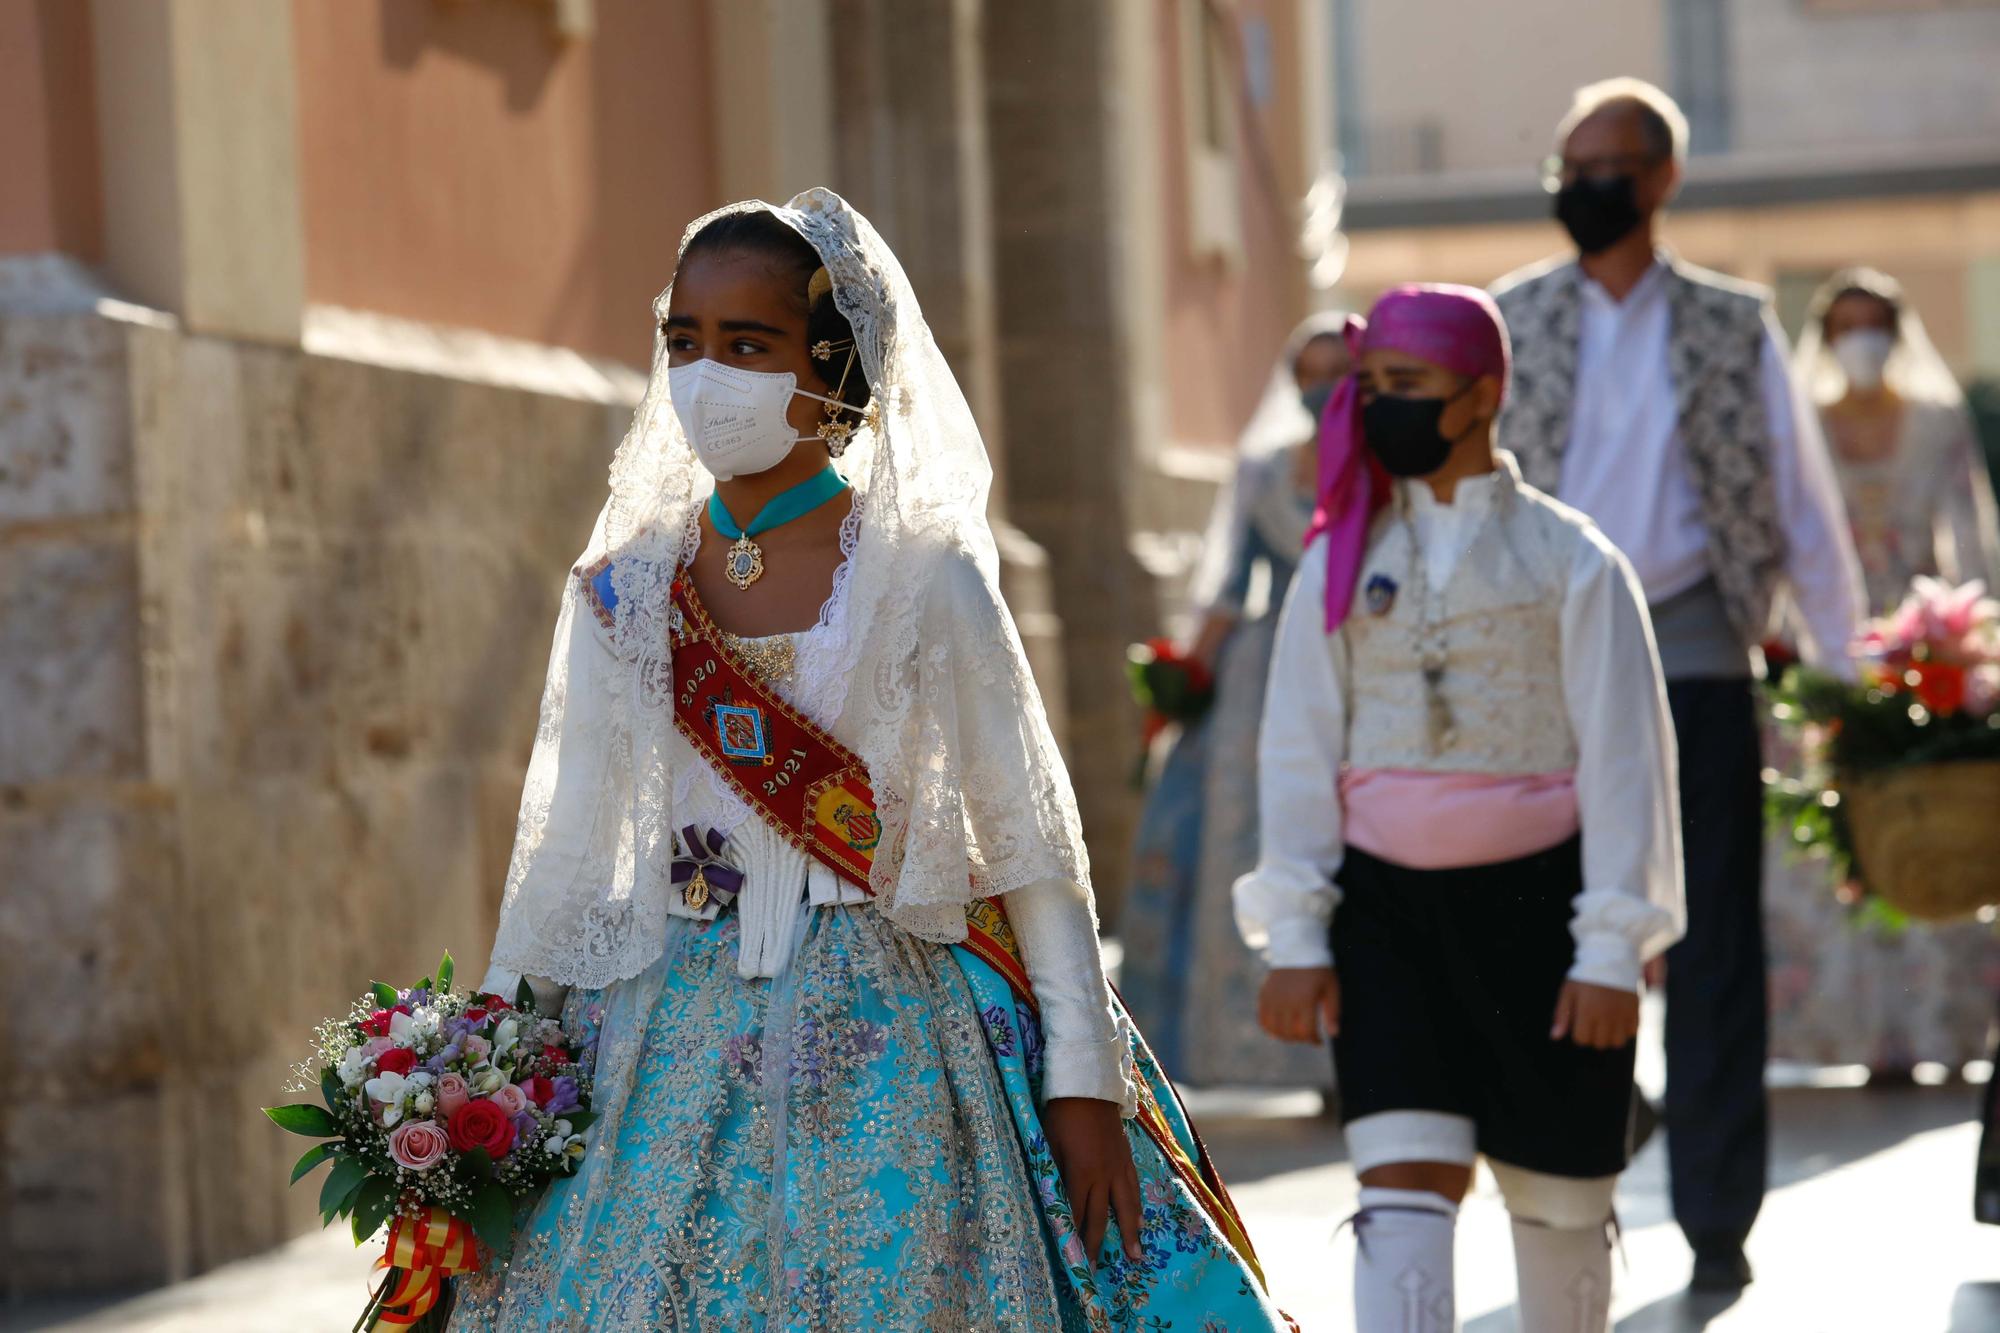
(1403, 1262)
(1565, 1277)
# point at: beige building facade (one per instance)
(319, 320)
(1825, 133)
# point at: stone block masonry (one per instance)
(273, 626)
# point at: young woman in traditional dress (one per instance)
(1187, 976)
(1919, 501)
(797, 843)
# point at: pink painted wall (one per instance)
(48, 130)
(461, 165)
(1226, 325)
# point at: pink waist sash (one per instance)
(1444, 821)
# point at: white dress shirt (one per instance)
(1624, 466)
(1630, 906)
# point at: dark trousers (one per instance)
(1718, 1118)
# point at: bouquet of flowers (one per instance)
(1170, 685)
(1891, 759)
(442, 1109)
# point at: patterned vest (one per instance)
(1714, 357)
(1500, 620)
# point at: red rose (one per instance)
(555, 1055)
(541, 1090)
(397, 1060)
(495, 1002)
(476, 1014)
(481, 1124)
(377, 1023)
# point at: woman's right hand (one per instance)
(1300, 1004)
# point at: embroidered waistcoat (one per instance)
(1714, 354)
(1500, 617)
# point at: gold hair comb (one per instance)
(821, 285)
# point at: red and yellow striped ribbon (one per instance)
(423, 1250)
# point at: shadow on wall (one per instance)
(491, 35)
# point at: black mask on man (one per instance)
(1598, 214)
(1403, 433)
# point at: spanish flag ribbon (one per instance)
(424, 1249)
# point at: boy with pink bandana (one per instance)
(1467, 753)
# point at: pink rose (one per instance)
(476, 1048)
(418, 1145)
(512, 1099)
(452, 1094)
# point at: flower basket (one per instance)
(1901, 767)
(1926, 838)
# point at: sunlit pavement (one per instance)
(1868, 1230)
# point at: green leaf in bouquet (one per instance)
(315, 1122)
(330, 1090)
(318, 1153)
(446, 971)
(386, 997)
(336, 1196)
(491, 1217)
(524, 997)
(372, 1206)
(475, 1166)
(579, 1120)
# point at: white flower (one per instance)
(507, 1035)
(487, 1080)
(562, 1143)
(352, 1066)
(402, 1029)
(423, 1103)
(389, 1090)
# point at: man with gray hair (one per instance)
(1654, 396)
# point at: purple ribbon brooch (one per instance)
(700, 872)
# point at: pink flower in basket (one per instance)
(1937, 623)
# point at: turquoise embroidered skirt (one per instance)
(853, 1145)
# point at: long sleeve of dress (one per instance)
(1221, 580)
(1967, 516)
(1086, 1052)
(1285, 905)
(1626, 778)
(1820, 564)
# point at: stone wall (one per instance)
(272, 631)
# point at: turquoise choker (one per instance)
(744, 564)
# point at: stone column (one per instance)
(1067, 379)
(196, 106)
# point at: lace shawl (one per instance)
(972, 793)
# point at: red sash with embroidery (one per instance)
(808, 786)
(814, 791)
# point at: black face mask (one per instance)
(1403, 433)
(1598, 214)
(1314, 400)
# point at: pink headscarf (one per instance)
(1458, 328)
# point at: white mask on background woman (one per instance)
(1863, 354)
(735, 419)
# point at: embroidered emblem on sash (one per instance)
(740, 733)
(1379, 594)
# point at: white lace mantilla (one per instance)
(917, 666)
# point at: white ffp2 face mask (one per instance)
(734, 419)
(1863, 355)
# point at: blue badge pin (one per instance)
(1380, 594)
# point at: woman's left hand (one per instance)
(1087, 1139)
